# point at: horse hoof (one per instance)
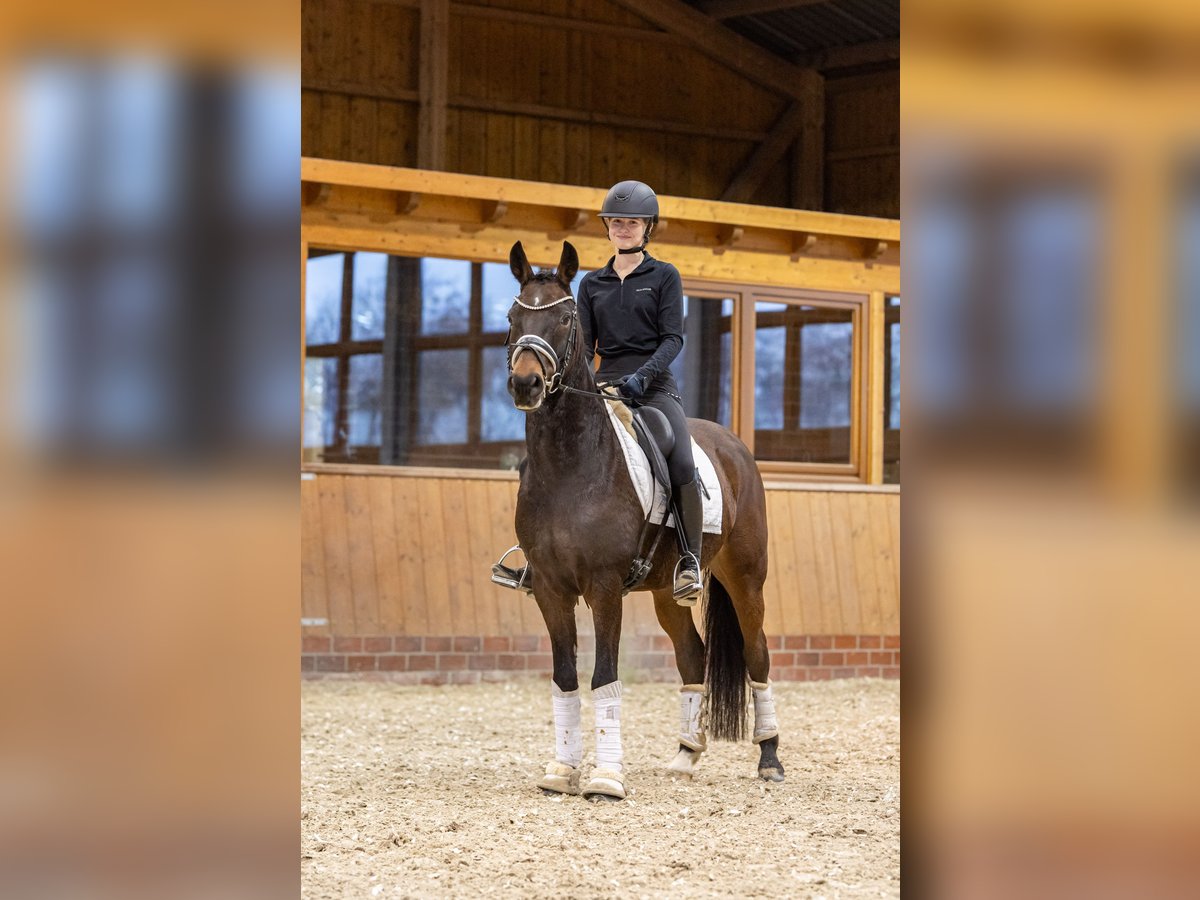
(771, 774)
(559, 779)
(684, 763)
(605, 785)
(602, 798)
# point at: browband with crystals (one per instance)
(544, 305)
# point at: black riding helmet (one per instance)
(631, 200)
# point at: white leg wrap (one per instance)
(765, 726)
(691, 729)
(568, 726)
(607, 703)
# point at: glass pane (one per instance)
(370, 293)
(323, 298)
(363, 399)
(442, 396)
(501, 420)
(499, 288)
(320, 401)
(703, 369)
(445, 296)
(825, 360)
(804, 361)
(893, 399)
(768, 377)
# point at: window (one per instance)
(704, 368)
(406, 363)
(804, 359)
(891, 390)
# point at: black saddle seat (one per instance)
(656, 439)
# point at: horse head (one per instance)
(544, 320)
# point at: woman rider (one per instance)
(631, 315)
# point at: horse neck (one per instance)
(569, 432)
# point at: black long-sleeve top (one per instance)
(632, 324)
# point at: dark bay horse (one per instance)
(579, 521)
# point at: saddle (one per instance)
(657, 440)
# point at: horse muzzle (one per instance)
(528, 390)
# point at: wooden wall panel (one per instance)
(402, 554)
(359, 71)
(314, 589)
(862, 140)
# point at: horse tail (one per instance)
(725, 665)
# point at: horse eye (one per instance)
(566, 317)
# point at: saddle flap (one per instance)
(656, 439)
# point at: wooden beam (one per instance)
(727, 236)
(567, 114)
(411, 237)
(766, 155)
(566, 23)
(731, 9)
(863, 54)
(875, 249)
(724, 45)
(314, 194)
(407, 201)
(575, 219)
(571, 197)
(863, 153)
(494, 210)
(434, 75)
(802, 244)
(536, 110)
(808, 162)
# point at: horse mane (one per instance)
(543, 276)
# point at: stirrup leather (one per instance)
(506, 576)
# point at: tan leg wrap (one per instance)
(765, 725)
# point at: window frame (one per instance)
(744, 324)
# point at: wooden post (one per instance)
(1136, 329)
(808, 159)
(434, 83)
(876, 387)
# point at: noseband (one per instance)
(542, 349)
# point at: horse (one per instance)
(580, 524)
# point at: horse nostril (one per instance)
(524, 385)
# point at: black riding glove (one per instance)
(631, 387)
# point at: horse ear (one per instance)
(568, 265)
(519, 263)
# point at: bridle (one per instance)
(542, 349)
(545, 353)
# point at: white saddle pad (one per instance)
(643, 480)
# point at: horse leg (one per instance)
(607, 781)
(677, 622)
(749, 606)
(562, 774)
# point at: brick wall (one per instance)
(463, 659)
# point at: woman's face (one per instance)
(626, 234)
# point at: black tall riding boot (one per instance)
(689, 519)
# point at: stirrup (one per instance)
(688, 593)
(508, 577)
